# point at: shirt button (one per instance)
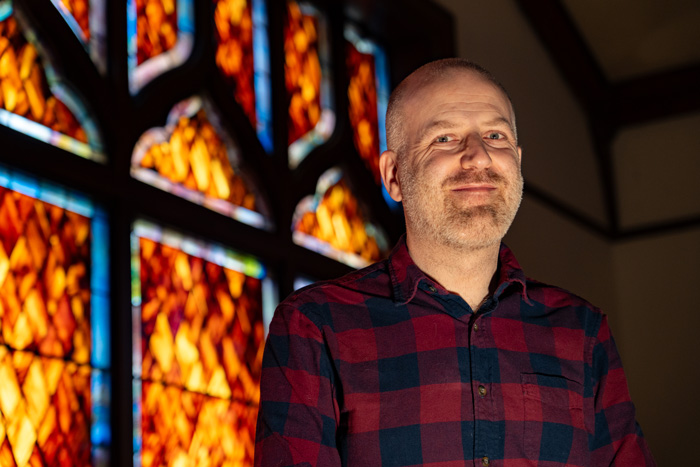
(482, 393)
(476, 327)
(485, 461)
(432, 289)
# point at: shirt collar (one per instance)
(406, 276)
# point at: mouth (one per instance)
(475, 188)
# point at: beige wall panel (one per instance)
(558, 156)
(649, 36)
(557, 251)
(657, 167)
(658, 319)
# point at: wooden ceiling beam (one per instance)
(570, 53)
(656, 96)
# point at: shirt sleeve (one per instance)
(297, 420)
(618, 439)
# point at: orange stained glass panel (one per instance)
(23, 86)
(362, 98)
(339, 222)
(302, 71)
(44, 278)
(234, 52)
(45, 407)
(188, 428)
(156, 27)
(80, 11)
(202, 339)
(202, 326)
(196, 157)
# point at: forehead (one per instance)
(457, 91)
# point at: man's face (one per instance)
(460, 178)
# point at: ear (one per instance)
(390, 174)
(520, 154)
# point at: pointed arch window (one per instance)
(308, 80)
(86, 18)
(160, 36)
(33, 99)
(200, 312)
(192, 157)
(332, 222)
(368, 98)
(243, 58)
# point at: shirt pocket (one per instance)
(552, 413)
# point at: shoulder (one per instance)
(316, 300)
(562, 307)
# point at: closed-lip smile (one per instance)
(475, 187)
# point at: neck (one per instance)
(466, 272)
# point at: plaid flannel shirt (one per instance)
(386, 367)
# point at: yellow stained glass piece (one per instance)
(10, 394)
(35, 393)
(22, 437)
(4, 264)
(218, 386)
(161, 343)
(35, 310)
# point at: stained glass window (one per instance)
(368, 97)
(160, 37)
(332, 223)
(87, 20)
(243, 57)
(192, 158)
(54, 313)
(308, 80)
(32, 99)
(199, 314)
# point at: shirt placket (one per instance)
(481, 385)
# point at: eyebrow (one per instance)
(435, 125)
(448, 125)
(502, 121)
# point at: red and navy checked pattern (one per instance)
(385, 367)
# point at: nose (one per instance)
(475, 154)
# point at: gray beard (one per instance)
(460, 228)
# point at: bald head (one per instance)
(428, 74)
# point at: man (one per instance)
(445, 354)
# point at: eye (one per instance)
(443, 139)
(495, 135)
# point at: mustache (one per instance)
(474, 176)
